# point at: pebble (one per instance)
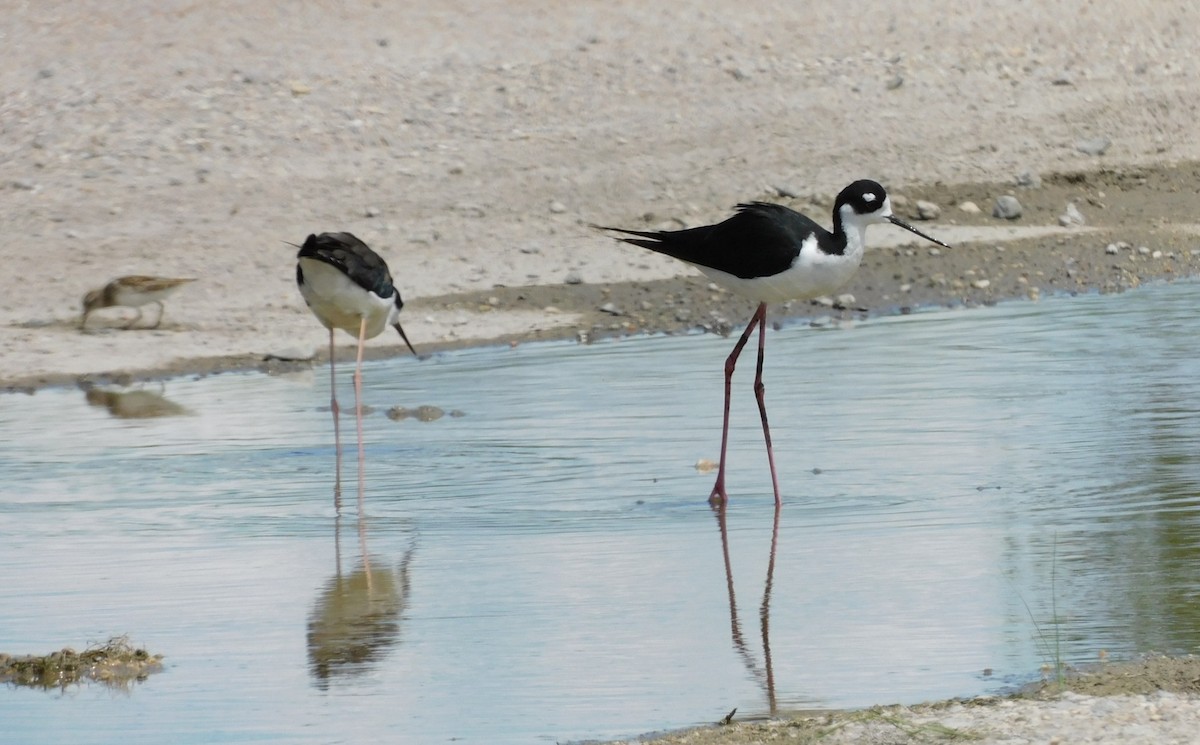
(1093, 146)
(424, 413)
(927, 210)
(1029, 180)
(970, 208)
(845, 300)
(611, 309)
(1007, 208)
(573, 278)
(1071, 217)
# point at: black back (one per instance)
(353, 258)
(759, 240)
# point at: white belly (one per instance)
(339, 303)
(802, 281)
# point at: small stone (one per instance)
(927, 210)
(611, 309)
(845, 300)
(824, 300)
(1144, 250)
(1111, 249)
(981, 284)
(371, 212)
(704, 465)
(1093, 146)
(895, 82)
(683, 315)
(1029, 180)
(557, 207)
(300, 89)
(935, 252)
(784, 191)
(970, 208)
(1156, 255)
(573, 278)
(1007, 208)
(1072, 217)
(429, 413)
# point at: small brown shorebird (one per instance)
(132, 292)
(769, 253)
(348, 286)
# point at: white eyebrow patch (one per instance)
(869, 197)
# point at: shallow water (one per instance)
(965, 492)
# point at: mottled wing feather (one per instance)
(353, 258)
(759, 240)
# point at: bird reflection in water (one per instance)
(139, 404)
(356, 618)
(765, 675)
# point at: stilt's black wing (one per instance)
(759, 240)
(353, 258)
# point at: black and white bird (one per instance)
(769, 253)
(348, 286)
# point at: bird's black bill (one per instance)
(897, 221)
(405, 338)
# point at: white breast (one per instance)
(339, 303)
(811, 275)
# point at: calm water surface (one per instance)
(963, 490)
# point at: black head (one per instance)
(865, 197)
(865, 202)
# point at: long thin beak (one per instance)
(405, 338)
(897, 221)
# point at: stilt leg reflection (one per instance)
(355, 620)
(766, 674)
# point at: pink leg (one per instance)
(337, 430)
(759, 393)
(719, 495)
(362, 337)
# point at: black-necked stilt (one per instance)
(348, 286)
(132, 292)
(769, 253)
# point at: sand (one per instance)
(472, 143)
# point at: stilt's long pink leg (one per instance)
(337, 429)
(362, 337)
(719, 495)
(760, 393)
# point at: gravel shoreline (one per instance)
(1154, 700)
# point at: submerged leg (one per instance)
(362, 337)
(760, 394)
(719, 495)
(337, 427)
